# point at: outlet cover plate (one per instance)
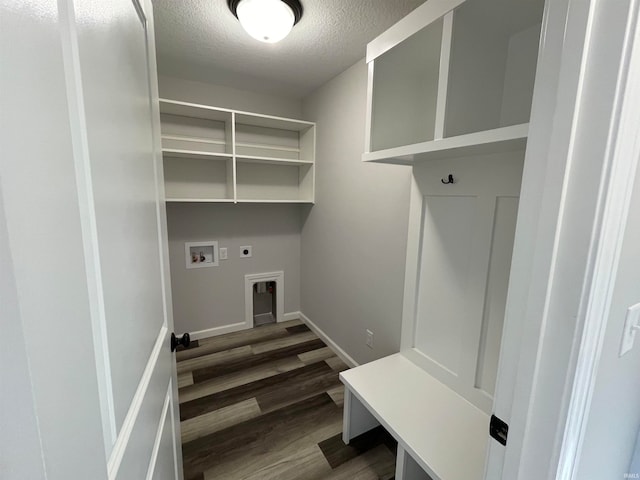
(223, 253)
(631, 326)
(246, 251)
(369, 339)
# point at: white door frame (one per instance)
(581, 157)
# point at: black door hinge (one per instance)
(499, 430)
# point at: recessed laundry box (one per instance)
(265, 307)
(264, 298)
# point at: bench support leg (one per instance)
(407, 468)
(357, 419)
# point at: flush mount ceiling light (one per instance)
(267, 20)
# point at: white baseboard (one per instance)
(291, 316)
(214, 332)
(344, 356)
(235, 327)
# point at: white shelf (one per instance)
(271, 160)
(451, 80)
(273, 201)
(503, 139)
(193, 110)
(199, 200)
(194, 154)
(265, 159)
(184, 138)
(230, 200)
(269, 121)
(444, 433)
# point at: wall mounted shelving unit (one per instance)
(449, 93)
(218, 155)
(453, 80)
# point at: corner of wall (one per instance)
(354, 238)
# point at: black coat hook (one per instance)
(449, 180)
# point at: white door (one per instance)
(82, 190)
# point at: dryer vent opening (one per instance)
(264, 303)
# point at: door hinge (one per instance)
(499, 430)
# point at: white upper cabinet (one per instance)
(453, 78)
(219, 155)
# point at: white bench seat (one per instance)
(439, 433)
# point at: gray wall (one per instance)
(354, 238)
(213, 297)
(226, 97)
(614, 419)
(205, 298)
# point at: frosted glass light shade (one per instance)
(266, 20)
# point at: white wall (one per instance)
(205, 298)
(614, 419)
(19, 442)
(214, 297)
(227, 97)
(354, 238)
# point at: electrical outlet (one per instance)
(223, 254)
(369, 340)
(246, 251)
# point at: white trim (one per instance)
(291, 316)
(369, 113)
(268, 147)
(249, 281)
(234, 327)
(413, 259)
(623, 152)
(215, 331)
(344, 356)
(422, 16)
(86, 205)
(159, 432)
(177, 103)
(234, 163)
(120, 446)
(503, 139)
(176, 435)
(443, 75)
(185, 138)
(564, 191)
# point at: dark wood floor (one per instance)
(266, 404)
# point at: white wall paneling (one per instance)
(463, 253)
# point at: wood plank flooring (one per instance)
(266, 404)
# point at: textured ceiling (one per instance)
(201, 40)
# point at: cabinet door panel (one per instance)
(465, 247)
